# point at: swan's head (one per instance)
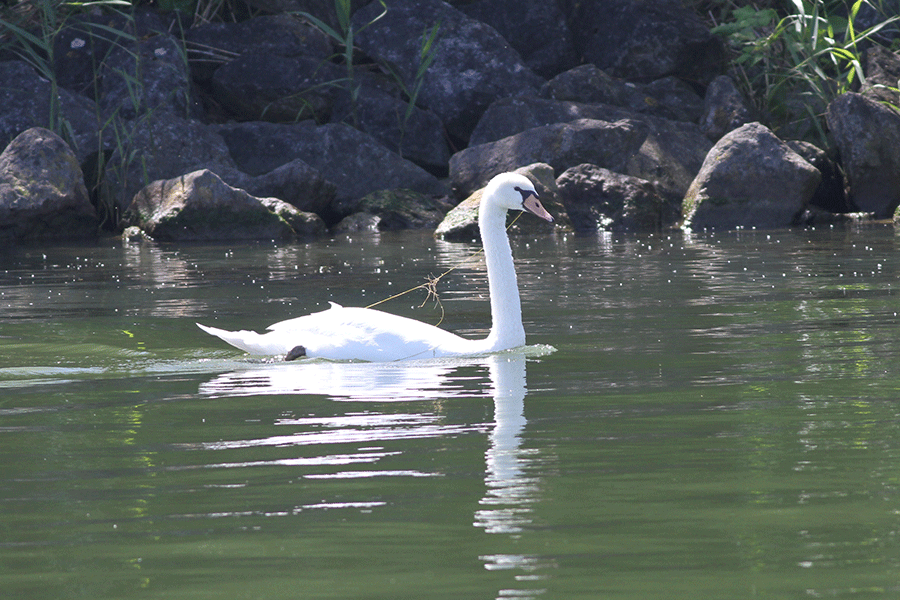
(512, 191)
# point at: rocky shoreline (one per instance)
(622, 112)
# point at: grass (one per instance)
(792, 58)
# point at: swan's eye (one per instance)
(526, 193)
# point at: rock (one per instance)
(409, 131)
(561, 145)
(134, 235)
(473, 65)
(750, 178)
(161, 147)
(200, 206)
(87, 40)
(209, 45)
(599, 199)
(42, 192)
(882, 69)
(148, 75)
(829, 195)
(402, 209)
(589, 84)
(461, 223)
(360, 222)
(644, 41)
(25, 103)
(536, 29)
(867, 135)
(724, 108)
(670, 156)
(268, 87)
(303, 224)
(669, 97)
(295, 182)
(353, 161)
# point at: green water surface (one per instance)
(705, 416)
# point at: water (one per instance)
(706, 416)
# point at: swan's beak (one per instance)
(530, 203)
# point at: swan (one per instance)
(350, 333)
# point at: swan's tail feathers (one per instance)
(248, 341)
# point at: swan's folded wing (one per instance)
(366, 334)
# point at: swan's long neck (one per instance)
(506, 309)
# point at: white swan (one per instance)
(341, 333)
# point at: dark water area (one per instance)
(696, 416)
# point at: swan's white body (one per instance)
(341, 333)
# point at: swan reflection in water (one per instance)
(510, 490)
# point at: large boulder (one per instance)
(42, 192)
(414, 133)
(750, 178)
(200, 206)
(867, 135)
(350, 159)
(599, 199)
(561, 145)
(210, 45)
(473, 65)
(644, 41)
(25, 102)
(536, 29)
(268, 87)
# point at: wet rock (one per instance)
(724, 108)
(304, 225)
(42, 192)
(473, 65)
(867, 135)
(200, 206)
(561, 145)
(388, 210)
(644, 41)
(750, 178)
(352, 160)
(461, 223)
(599, 199)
